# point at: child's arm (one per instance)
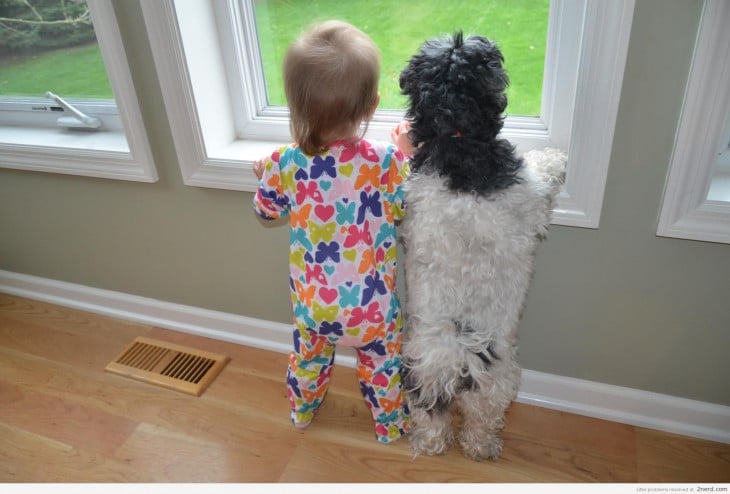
(398, 171)
(270, 200)
(259, 166)
(399, 136)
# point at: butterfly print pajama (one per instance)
(342, 205)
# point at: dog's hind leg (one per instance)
(431, 432)
(483, 419)
(483, 410)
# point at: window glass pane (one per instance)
(49, 45)
(399, 28)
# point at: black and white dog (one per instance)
(476, 212)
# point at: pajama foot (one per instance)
(301, 420)
(387, 433)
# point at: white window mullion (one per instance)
(139, 154)
(603, 48)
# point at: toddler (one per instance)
(342, 194)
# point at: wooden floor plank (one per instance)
(324, 458)
(83, 427)
(663, 457)
(81, 339)
(59, 409)
(583, 448)
(158, 453)
(28, 457)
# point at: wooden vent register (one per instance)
(171, 366)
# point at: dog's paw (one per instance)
(490, 449)
(426, 443)
(549, 162)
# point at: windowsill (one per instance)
(527, 131)
(103, 154)
(60, 138)
(228, 163)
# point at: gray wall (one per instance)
(616, 305)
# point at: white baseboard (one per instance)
(618, 404)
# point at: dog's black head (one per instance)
(455, 88)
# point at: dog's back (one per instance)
(468, 266)
(469, 257)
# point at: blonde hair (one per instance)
(331, 79)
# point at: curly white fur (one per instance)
(468, 265)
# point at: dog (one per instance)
(475, 215)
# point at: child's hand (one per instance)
(258, 167)
(400, 138)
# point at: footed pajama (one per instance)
(342, 206)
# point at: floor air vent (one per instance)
(171, 366)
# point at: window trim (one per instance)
(686, 212)
(195, 88)
(117, 152)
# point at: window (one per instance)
(38, 132)
(399, 28)
(211, 70)
(697, 197)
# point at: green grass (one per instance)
(399, 28)
(76, 72)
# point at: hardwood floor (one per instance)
(63, 419)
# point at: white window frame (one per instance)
(206, 68)
(31, 140)
(702, 135)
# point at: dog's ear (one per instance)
(479, 68)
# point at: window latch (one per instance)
(79, 120)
